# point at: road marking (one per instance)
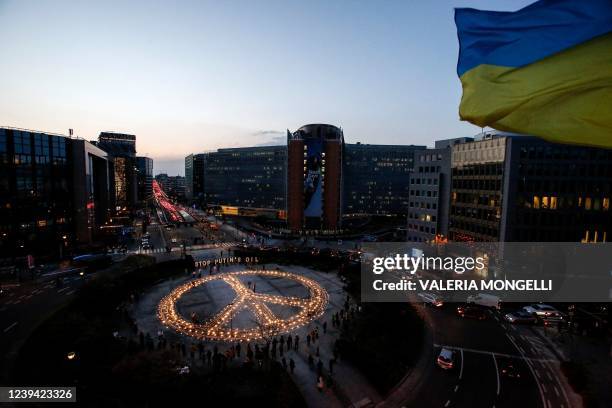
(556, 390)
(461, 370)
(63, 289)
(17, 302)
(470, 350)
(70, 293)
(496, 373)
(549, 376)
(10, 327)
(447, 403)
(529, 364)
(549, 404)
(456, 388)
(560, 386)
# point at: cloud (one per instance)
(274, 137)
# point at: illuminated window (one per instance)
(579, 202)
(605, 204)
(536, 202)
(553, 203)
(545, 202)
(587, 203)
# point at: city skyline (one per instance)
(209, 76)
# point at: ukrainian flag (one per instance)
(544, 70)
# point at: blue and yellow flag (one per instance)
(545, 70)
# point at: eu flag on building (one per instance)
(544, 70)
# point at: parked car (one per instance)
(484, 299)
(446, 359)
(540, 310)
(431, 298)
(472, 312)
(520, 316)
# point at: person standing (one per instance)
(291, 365)
(296, 342)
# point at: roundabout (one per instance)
(219, 327)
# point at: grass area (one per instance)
(110, 372)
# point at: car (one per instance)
(471, 312)
(446, 359)
(485, 299)
(174, 240)
(540, 310)
(520, 316)
(431, 298)
(553, 318)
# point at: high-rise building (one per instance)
(121, 149)
(248, 177)
(53, 193)
(144, 166)
(376, 178)
(430, 187)
(173, 186)
(519, 188)
(194, 177)
(314, 177)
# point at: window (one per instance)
(536, 202)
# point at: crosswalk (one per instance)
(188, 248)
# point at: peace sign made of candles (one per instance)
(219, 327)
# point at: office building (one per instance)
(430, 188)
(173, 186)
(376, 178)
(519, 188)
(194, 177)
(144, 167)
(314, 177)
(121, 149)
(53, 193)
(248, 177)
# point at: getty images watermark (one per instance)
(520, 272)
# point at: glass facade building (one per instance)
(47, 189)
(121, 149)
(194, 177)
(251, 177)
(524, 189)
(377, 178)
(144, 165)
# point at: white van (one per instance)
(484, 299)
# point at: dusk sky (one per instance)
(194, 76)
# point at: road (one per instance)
(481, 349)
(24, 307)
